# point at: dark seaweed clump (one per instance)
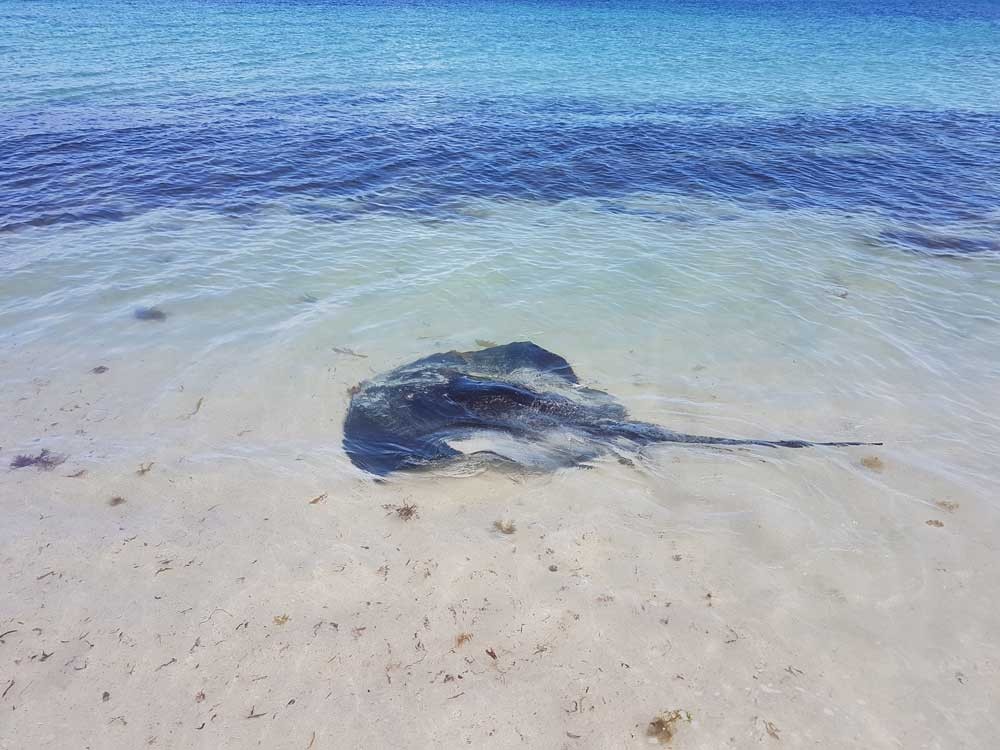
(149, 313)
(45, 460)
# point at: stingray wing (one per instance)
(518, 355)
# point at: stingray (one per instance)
(516, 403)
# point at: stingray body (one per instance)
(517, 402)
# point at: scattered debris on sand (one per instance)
(281, 619)
(872, 462)
(149, 313)
(318, 499)
(772, 729)
(76, 474)
(99, 370)
(662, 728)
(406, 511)
(349, 352)
(116, 500)
(197, 408)
(947, 505)
(144, 468)
(45, 460)
(935, 523)
(504, 527)
(462, 638)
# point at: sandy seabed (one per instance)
(250, 588)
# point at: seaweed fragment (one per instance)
(99, 370)
(197, 408)
(406, 511)
(46, 460)
(349, 352)
(662, 728)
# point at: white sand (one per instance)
(780, 598)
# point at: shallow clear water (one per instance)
(642, 188)
(775, 219)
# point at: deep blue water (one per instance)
(931, 166)
(115, 110)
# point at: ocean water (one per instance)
(767, 219)
(643, 187)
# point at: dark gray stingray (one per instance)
(516, 402)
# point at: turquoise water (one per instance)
(644, 188)
(635, 185)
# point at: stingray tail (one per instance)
(643, 432)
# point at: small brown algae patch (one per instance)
(664, 726)
(873, 462)
(406, 511)
(45, 460)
